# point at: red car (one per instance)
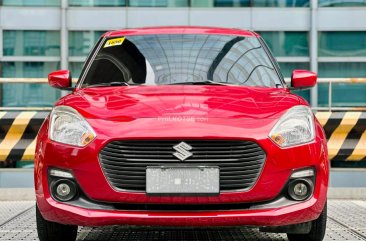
(181, 126)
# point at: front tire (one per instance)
(50, 231)
(317, 231)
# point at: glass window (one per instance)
(28, 69)
(287, 43)
(97, 3)
(232, 3)
(158, 3)
(342, 44)
(33, 95)
(200, 3)
(248, 3)
(182, 59)
(81, 42)
(342, 70)
(287, 68)
(75, 68)
(342, 3)
(31, 2)
(343, 94)
(281, 3)
(31, 43)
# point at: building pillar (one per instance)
(314, 49)
(64, 39)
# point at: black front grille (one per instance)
(124, 162)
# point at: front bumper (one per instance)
(84, 164)
(292, 214)
(278, 212)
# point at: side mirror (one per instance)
(60, 79)
(302, 79)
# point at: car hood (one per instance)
(180, 101)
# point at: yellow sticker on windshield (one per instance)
(114, 42)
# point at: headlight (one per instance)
(295, 127)
(69, 127)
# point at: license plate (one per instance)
(183, 180)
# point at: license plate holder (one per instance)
(183, 181)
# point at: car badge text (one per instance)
(182, 151)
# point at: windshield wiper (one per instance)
(205, 82)
(109, 84)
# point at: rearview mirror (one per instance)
(60, 79)
(302, 79)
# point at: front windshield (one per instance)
(165, 59)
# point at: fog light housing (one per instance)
(64, 190)
(300, 189)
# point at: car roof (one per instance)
(181, 30)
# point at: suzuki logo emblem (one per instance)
(182, 151)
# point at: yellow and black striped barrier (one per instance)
(346, 135)
(18, 131)
(345, 131)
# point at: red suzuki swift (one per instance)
(181, 126)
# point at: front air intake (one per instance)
(124, 162)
